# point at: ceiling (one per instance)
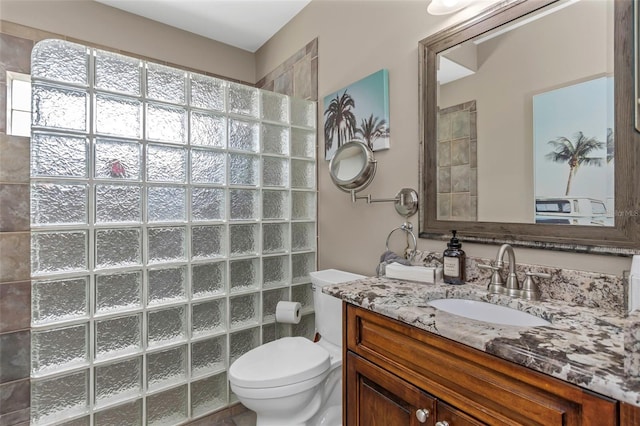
(246, 24)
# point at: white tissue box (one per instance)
(421, 274)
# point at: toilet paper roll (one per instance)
(288, 312)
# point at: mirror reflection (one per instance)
(526, 120)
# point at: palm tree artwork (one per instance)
(575, 152)
(340, 120)
(358, 111)
(371, 129)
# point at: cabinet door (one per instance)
(449, 416)
(375, 397)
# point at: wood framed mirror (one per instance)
(512, 193)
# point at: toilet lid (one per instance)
(282, 362)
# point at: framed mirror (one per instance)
(527, 127)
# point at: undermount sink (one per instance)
(488, 312)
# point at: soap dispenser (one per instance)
(454, 261)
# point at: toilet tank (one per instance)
(328, 308)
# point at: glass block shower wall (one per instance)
(170, 212)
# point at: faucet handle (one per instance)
(496, 285)
(489, 267)
(530, 290)
(538, 274)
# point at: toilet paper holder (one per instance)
(288, 312)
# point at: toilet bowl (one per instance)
(293, 381)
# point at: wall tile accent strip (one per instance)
(297, 76)
(15, 287)
(14, 402)
(188, 212)
(14, 296)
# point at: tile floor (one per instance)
(236, 415)
(248, 418)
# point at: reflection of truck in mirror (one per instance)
(572, 211)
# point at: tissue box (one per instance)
(422, 274)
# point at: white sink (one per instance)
(488, 312)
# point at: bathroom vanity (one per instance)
(408, 363)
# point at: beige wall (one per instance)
(503, 87)
(356, 38)
(98, 24)
(353, 42)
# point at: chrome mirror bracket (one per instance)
(406, 201)
(352, 169)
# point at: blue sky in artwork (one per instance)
(368, 96)
(371, 96)
(586, 107)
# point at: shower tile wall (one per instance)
(297, 76)
(457, 163)
(188, 211)
(15, 285)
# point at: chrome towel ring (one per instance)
(408, 228)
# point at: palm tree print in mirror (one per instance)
(575, 152)
(573, 136)
(358, 111)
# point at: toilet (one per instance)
(293, 381)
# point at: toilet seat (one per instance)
(283, 362)
(278, 391)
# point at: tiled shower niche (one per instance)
(171, 211)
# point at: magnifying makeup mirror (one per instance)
(353, 168)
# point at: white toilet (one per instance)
(293, 381)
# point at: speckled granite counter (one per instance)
(583, 346)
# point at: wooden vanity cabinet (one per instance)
(453, 417)
(392, 370)
(379, 398)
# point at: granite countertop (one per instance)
(583, 346)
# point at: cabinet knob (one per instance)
(422, 415)
(442, 423)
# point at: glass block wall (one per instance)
(170, 212)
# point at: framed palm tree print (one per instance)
(573, 136)
(358, 111)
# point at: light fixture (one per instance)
(444, 7)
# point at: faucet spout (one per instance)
(512, 285)
(506, 248)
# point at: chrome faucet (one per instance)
(529, 290)
(512, 285)
(497, 285)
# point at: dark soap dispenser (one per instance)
(454, 262)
